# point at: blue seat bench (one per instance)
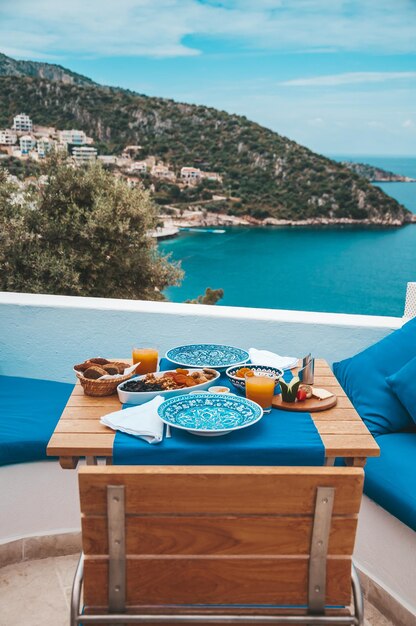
(390, 480)
(29, 412)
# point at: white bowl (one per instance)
(140, 397)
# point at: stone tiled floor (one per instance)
(37, 593)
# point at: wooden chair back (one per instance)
(157, 536)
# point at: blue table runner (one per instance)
(279, 438)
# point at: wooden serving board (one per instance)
(312, 405)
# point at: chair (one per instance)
(218, 545)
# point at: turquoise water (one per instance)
(346, 270)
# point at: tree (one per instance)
(211, 296)
(82, 233)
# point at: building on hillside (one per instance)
(27, 143)
(107, 159)
(22, 123)
(44, 145)
(139, 167)
(7, 137)
(131, 151)
(212, 176)
(84, 154)
(191, 175)
(74, 137)
(162, 171)
(44, 131)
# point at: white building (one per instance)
(108, 159)
(162, 171)
(139, 167)
(212, 176)
(84, 154)
(22, 123)
(7, 137)
(75, 137)
(191, 175)
(27, 142)
(44, 146)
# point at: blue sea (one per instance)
(348, 270)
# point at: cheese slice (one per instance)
(321, 394)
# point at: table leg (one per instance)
(68, 462)
(330, 461)
(356, 461)
(92, 460)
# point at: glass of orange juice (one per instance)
(148, 359)
(260, 389)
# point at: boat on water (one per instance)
(215, 231)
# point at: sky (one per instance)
(338, 76)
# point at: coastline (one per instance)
(205, 219)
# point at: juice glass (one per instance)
(260, 389)
(148, 359)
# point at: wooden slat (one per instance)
(267, 490)
(89, 401)
(336, 414)
(217, 580)
(82, 426)
(218, 535)
(350, 445)
(82, 444)
(85, 413)
(342, 428)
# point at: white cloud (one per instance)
(348, 78)
(161, 28)
(408, 124)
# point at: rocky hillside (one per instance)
(267, 174)
(377, 174)
(11, 67)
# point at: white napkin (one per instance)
(264, 357)
(141, 421)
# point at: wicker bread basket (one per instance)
(98, 387)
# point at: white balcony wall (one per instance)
(42, 336)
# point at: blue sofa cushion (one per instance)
(29, 412)
(363, 378)
(403, 383)
(390, 479)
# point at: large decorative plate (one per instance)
(207, 355)
(210, 414)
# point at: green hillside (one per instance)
(270, 174)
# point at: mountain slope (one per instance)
(270, 174)
(11, 67)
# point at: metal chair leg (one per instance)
(76, 591)
(358, 596)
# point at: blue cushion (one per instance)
(390, 480)
(29, 412)
(403, 383)
(363, 378)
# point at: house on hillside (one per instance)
(162, 171)
(191, 175)
(27, 143)
(84, 154)
(138, 167)
(74, 137)
(44, 146)
(7, 137)
(22, 123)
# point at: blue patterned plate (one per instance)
(207, 355)
(209, 414)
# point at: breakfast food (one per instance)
(243, 372)
(169, 381)
(94, 372)
(95, 368)
(112, 370)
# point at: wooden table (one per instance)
(80, 434)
